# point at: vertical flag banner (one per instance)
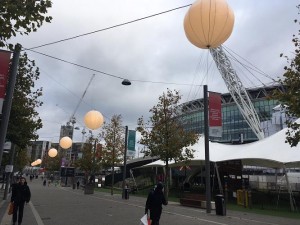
(215, 115)
(131, 143)
(4, 66)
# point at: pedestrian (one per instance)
(44, 182)
(20, 195)
(78, 183)
(154, 204)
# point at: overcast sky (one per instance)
(153, 53)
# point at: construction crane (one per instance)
(72, 119)
(68, 130)
(237, 90)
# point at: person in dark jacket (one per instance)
(20, 195)
(154, 203)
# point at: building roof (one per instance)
(270, 152)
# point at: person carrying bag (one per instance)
(10, 208)
(154, 204)
(20, 195)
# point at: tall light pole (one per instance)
(207, 161)
(9, 97)
(125, 161)
(113, 166)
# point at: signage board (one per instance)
(215, 115)
(67, 171)
(9, 168)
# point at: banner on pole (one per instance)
(131, 143)
(4, 67)
(215, 115)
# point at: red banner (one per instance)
(4, 66)
(215, 114)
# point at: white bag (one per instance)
(144, 220)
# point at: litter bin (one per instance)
(126, 193)
(220, 205)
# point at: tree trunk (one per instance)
(167, 180)
(113, 173)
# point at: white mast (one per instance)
(237, 90)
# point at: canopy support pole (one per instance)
(219, 180)
(289, 189)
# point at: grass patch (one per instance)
(255, 209)
(173, 196)
(108, 190)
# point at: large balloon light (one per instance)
(52, 152)
(208, 23)
(93, 119)
(65, 142)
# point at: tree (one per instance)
(22, 159)
(52, 164)
(24, 120)
(25, 123)
(89, 163)
(164, 134)
(113, 134)
(291, 95)
(21, 16)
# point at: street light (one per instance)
(126, 82)
(93, 120)
(208, 24)
(125, 161)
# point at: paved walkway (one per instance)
(65, 206)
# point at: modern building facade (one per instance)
(67, 131)
(234, 127)
(38, 149)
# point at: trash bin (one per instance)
(220, 205)
(126, 193)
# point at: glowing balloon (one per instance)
(65, 142)
(93, 120)
(52, 152)
(208, 23)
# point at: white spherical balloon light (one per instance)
(52, 152)
(209, 23)
(65, 142)
(93, 120)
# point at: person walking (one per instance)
(20, 195)
(154, 203)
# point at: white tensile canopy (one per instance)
(270, 152)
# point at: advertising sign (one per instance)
(131, 143)
(4, 66)
(215, 115)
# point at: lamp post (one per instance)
(65, 143)
(8, 98)
(207, 161)
(125, 161)
(207, 25)
(93, 120)
(94, 161)
(113, 166)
